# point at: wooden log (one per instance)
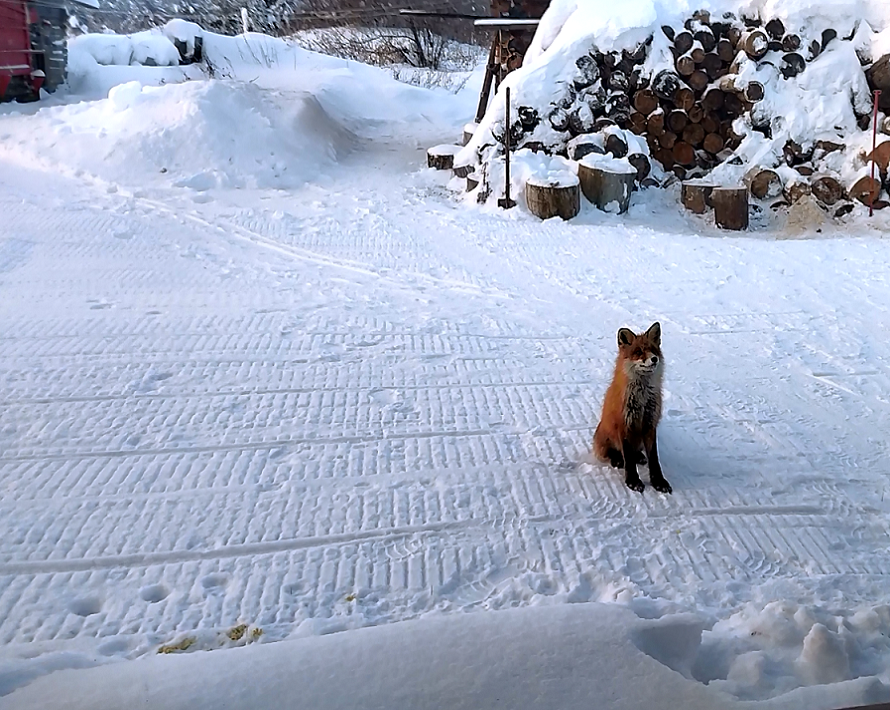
(580, 120)
(754, 43)
(685, 65)
(763, 183)
(730, 207)
(697, 52)
(669, 32)
(827, 189)
(677, 120)
(795, 154)
(683, 153)
(805, 170)
(684, 98)
(645, 101)
(665, 84)
(696, 113)
(792, 65)
(754, 92)
(734, 35)
(725, 50)
(796, 190)
(548, 198)
(637, 123)
(696, 196)
(609, 190)
(473, 180)
(618, 81)
(680, 172)
(580, 146)
(814, 49)
(641, 164)
(865, 189)
(616, 145)
(732, 105)
(775, 28)
(705, 37)
(683, 41)
(710, 123)
(828, 36)
(469, 130)
(655, 123)
(698, 80)
(791, 42)
(774, 45)
(664, 157)
(462, 171)
(878, 76)
(704, 160)
(441, 157)
(881, 156)
(713, 66)
(885, 126)
(713, 99)
(559, 119)
(694, 134)
(713, 143)
(667, 139)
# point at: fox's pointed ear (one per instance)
(625, 336)
(654, 333)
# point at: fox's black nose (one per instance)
(654, 360)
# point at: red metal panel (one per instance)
(15, 40)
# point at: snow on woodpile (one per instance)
(775, 96)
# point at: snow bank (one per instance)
(274, 115)
(545, 657)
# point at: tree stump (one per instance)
(607, 188)
(548, 198)
(696, 197)
(730, 207)
(469, 130)
(763, 183)
(441, 157)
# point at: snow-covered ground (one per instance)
(259, 366)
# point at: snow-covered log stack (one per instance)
(779, 105)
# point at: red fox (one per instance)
(632, 409)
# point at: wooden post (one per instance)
(730, 207)
(506, 203)
(486, 84)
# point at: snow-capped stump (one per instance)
(441, 157)
(552, 195)
(730, 207)
(696, 196)
(469, 130)
(607, 182)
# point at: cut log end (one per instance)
(696, 197)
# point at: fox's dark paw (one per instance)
(616, 462)
(662, 486)
(635, 484)
(641, 459)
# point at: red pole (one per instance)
(874, 145)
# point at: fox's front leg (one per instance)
(656, 477)
(631, 477)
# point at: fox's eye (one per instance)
(638, 352)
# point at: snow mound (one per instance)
(202, 135)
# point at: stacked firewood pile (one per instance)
(686, 113)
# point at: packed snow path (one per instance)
(357, 401)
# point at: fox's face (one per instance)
(641, 353)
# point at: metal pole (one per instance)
(874, 144)
(507, 203)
